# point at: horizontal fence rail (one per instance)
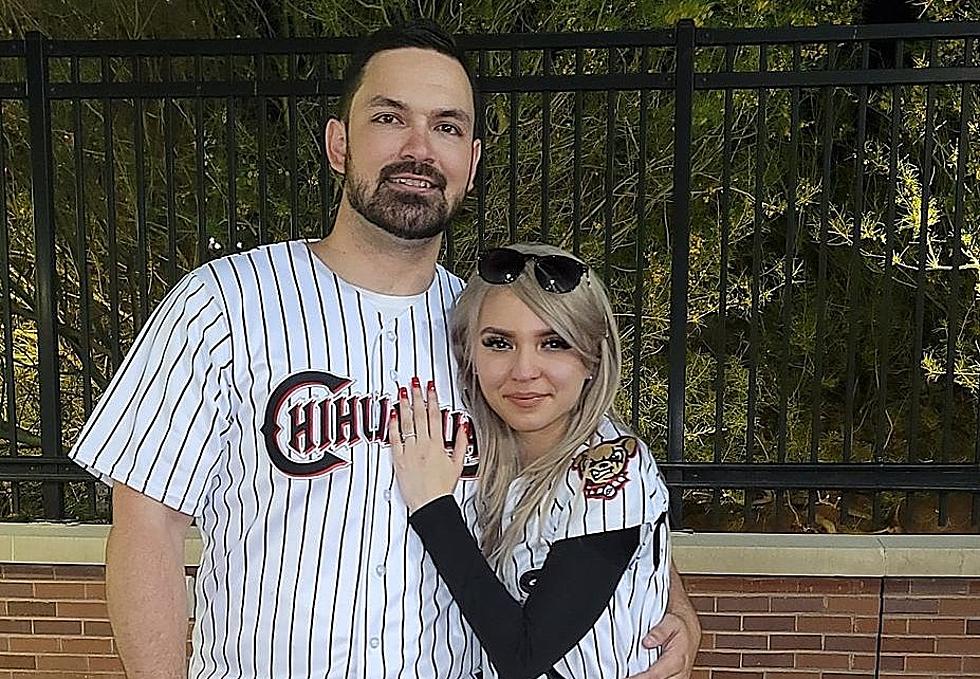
(785, 218)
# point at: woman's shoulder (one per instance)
(611, 459)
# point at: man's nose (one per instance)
(418, 145)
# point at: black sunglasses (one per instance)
(554, 273)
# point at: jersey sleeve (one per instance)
(612, 485)
(158, 427)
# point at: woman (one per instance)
(571, 567)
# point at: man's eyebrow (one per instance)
(455, 114)
(377, 101)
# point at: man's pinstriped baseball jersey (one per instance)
(256, 400)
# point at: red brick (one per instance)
(83, 609)
(720, 623)
(729, 641)
(862, 662)
(16, 590)
(908, 644)
(911, 605)
(802, 604)
(60, 590)
(24, 571)
(897, 586)
(957, 646)
(937, 626)
(863, 605)
(795, 642)
(17, 662)
(973, 626)
(903, 675)
(78, 663)
(31, 609)
(823, 623)
(35, 644)
(97, 628)
(736, 674)
(743, 603)
(708, 640)
(972, 666)
(59, 674)
(892, 662)
(78, 572)
(932, 663)
(717, 659)
(940, 586)
(769, 623)
(697, 674)
(15, 626)
(95, 590)
(849, 643)
(767, 660)
(57, 627)
(792, 675)
(865, 626)
(823, 661)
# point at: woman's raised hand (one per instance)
(425, 471)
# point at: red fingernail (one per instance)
(393, 416)
(431, 386)
(416, 384)
(403, 393)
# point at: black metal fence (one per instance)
(786, 220)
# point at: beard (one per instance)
(403, 214)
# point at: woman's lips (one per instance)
(526, 400)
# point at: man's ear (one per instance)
(335, 141)
(474, 163)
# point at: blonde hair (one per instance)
(584, 319)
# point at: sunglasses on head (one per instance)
(554, 273)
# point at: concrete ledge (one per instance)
(701, 553)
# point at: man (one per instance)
(255, 401)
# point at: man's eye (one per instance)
(556, 343)
(450, 129)
(385, 118)
(498, 343)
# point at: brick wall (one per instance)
(828, 628)
(53, 624)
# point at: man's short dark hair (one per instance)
(420, 33)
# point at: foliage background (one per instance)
(117, 184)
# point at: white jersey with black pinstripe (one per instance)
(611, 485)
(256, 400)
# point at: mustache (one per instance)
(410, 167)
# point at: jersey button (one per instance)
(380, 570)
(393, 374)
(374, 642)
(387, 495)
(391, 335)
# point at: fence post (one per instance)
(680, 225)
(42, 185)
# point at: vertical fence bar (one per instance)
(263, 154)
(42, 198)
(10, 394)
(200, 194)
(170, 163)
(481, 173)
(515, 72)
(641, 246)
(81, 249)
(324, 169)
(577, 160)
(680, 250)
(719, 441)
(886, 290)
(816, 422)
(611, 99)
(141, 275)
(920, 278)
(545, 150)
(231, 151)
(293, 154)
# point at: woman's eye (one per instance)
(556, 344)
(492, 342)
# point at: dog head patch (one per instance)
(604, 467)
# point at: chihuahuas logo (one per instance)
(311, 424)
(603, 468)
